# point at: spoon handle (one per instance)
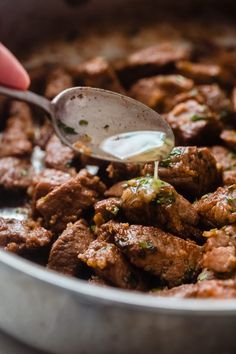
(29, 97)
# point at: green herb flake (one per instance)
(24, 172)
(167, 198)
(66, 129)
(197, 117)
(92, 228)
(114, 210)
(83, 122)
(146, 245)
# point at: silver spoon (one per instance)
(103, 124)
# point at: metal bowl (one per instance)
(62, 315)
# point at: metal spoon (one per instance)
(84, 118)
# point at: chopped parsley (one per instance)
(66, 129)
(165, 198)
(167, 162)
(83, 122)
(197, 117)
(146, 245)
(114, 210)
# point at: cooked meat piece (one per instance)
(153, 202)
(66, 202)
(234, 99)
(58, 80)
(169, 257)
(116, 190)
(74, 240)
(191, 170)
(45, 182)
(120, 171)
(18, 134)
(109, 263)
(22, 236)
(229, 138)
(58, 155)
(44, 134)
(151, 60)
(96, 280)
(218, 289)
(219, 208)
(98, 73)
(220, 249)
(227, 160)
(106, 209)
(193, 123)
(157, 92)
(199, 72)
(15, 174)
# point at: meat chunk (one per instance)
(193, 123)
(192, 171)
(153, 202)
(109, 263)
(199, 72)
(66, 202)
(44, 134)
(217, 289)
(17, 137)
(157, 92)
(106, 209)
(98, 73)
(45, 182)
(168, 257)
(120, 171)
(58, 80)
(226, 159)
(58, 156)
(116, 189)
(74, 240)
(229, 138)
(220, 249)
(219, 208)
(22, 236)
(15, 174)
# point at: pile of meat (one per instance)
(175, 236)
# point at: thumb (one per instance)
(12, 73)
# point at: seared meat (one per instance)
(120, 171)
(229, 138)
(169, 257)
(109, 263)
(17, 137)
(57, 81)
(116, 189)
(22, 236)
(15, 174)
(218, 289)
(219, 208)
(199, 72)
(157, 92)
(44, 134)
(66, 202)
(98, 73)
(220, 249)
(193, 123)
(106, 209)
(227, 160)
(74, 240)
(191, 170)
(58, 155)
(153, 202)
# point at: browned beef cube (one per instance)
(15, 174)
(168, 257)
(226, 159)
(194, 124)
(157, 92)
(44, 134)
(218, 289)
(229, 138)
(192, 171)
(109, 263)
(57, 81)
(58, 155)
(17, 137)
(45, 182)
(153, 202)
(152, 60)
(116, 190)
(106, 209)
(74, 240)
(22, 236)
(98, 73)
(220, 249)
(66, 202)
(120, 171)
(199, 72)
(219, 208)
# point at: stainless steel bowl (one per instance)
(62, 315)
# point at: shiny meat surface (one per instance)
(15, 173)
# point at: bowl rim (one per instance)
(116, 297)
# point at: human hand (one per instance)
(12, 73)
